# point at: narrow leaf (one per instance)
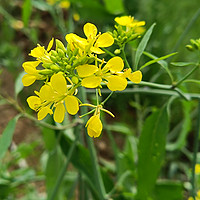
(26, 11)
(156, 60)
(143, 44)
(151, 151)
(6, 137)
(18, 83)
(182, 64)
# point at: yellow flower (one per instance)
(54, 95)
(41, 53)
(197, 169)
(190, 198)
(93, 75)
(32, 73)
(129, 21)
(93, 43)
(94, 126)
(135, 77)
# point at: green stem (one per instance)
(102, 103)
(109, 53)
(96, 170)
(64, 169)
(196, 145)
(186, 76)
(124, 57)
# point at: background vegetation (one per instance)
(36, 158)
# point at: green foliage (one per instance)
(151, 151)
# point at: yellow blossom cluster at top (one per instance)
(64, 69)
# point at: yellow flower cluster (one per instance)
(64, 70)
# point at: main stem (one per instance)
(96, 170)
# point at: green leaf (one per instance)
(82, 161)
(6, 137)
(26, 11)
(53, 168)
(166, 190)
(156, 60)
(182, 64)
(114, 6)
(18, 83)
(151, 150)
(143, 44)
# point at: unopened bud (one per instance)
(194, 44)
(53, 53)
(117, 51)
(189, 47)
(45, 72)
(74, 80)
(60, 45)
(68, 67)
(53, 58)
(47, 65)
(61, 53)
(55, 68)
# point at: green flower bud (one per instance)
(117, 51)
(91, 60)
(54, 53)
(189, 47)
(75, 52)
(47, 65)
(45, 72)
(194, 44)
(61, 53)
(60, 45)
(74, 80)
(55, 68)
(53, 58)
(68, 67)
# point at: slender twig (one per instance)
(196, 145)
(124, 57)
(186, 76)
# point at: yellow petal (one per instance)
(33, 102)
(104, 40)
(90, 30)
(73, 38)
(44, 112)
(124, 20)
(59, 113)
(97, 50)
(30, 64)
(46, 93)
(94, 126)
(116, 83)
(115, 64)
(50, 44)
(71, 104)
(86, 70)
(135, 77)
(91, 82)
(59, 83)
(28, 79)
(37, 52)
(137, 23)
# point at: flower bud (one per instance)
(45, 72)
(59, 45)
(53, 58)
(117, 51)
(55, 68)
(189, 47)
(74, 80)
(61, 53)
(47, 65)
